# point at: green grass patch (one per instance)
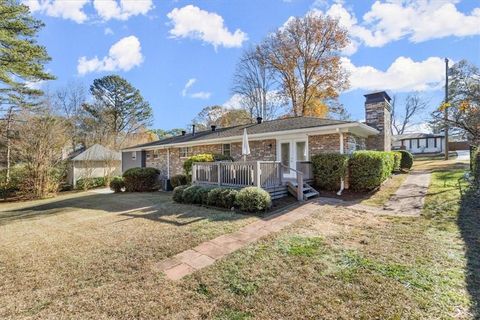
(351, 262)
(231, 314)
(301, 246)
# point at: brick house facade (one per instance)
(273, 140)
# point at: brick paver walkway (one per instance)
(208, 252)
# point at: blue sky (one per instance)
(182, 54)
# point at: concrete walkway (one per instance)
(208, 252)
(410, 197)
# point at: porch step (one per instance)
(308, 191)
(277, 192)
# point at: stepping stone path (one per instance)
(208, 252)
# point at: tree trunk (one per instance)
(9, 144)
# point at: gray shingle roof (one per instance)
(252, 128)
(98, 153)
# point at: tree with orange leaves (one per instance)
(305, 57)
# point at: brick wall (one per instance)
(330, 143)
(259, 150)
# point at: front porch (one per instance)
(272, 176)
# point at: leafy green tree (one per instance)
(118, 107)
(22, 61)
(162, 134)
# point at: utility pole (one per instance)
(446, 109)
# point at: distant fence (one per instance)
(458, 145)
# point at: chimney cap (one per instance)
(213, 127)
(184, 132)
(377, 96)
(259, 120)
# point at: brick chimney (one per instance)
(378, 114)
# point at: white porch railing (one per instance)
(264, 174)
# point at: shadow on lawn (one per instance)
(469, 223)
(152, 206)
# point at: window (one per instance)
(427, 142)
(226, 149)
(134, 155)
(156, 154)
(185, 152)
(435, 142)
(301, 151)
(410, 143)
(418, 143)
(147, 154)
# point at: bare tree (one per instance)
(68, 102)
(254, 81)
(413, 106)
(305, 57)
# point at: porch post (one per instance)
(258, 174)
(218, 174)
(299, 186)
(168, 163)
(342, 182)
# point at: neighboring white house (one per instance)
(96, 161)
(419, 142)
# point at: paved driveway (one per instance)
(463, 155)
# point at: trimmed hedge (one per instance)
(397, 160)
(117, 184)
(253, 199)
(141, 179)
(250, 199)
(406, 161)
(178, 180)
(90, 183)
(329, 169)
(203, 157)
(369, 169)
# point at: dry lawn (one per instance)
(337, 264)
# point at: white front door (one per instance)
(290, 152)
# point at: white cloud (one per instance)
(123, 55)
(403, 75)
(416, 21)
(189, 83)
(195, 23)
(201, 95)
(72, 9)
(108, 31)
(235, 102)
(196, 95)
(123, 9)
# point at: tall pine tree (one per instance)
(22, 61)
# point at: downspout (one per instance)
(342, 182)
(168, 163)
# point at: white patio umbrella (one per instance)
(245, 146)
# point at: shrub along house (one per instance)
(280, 150)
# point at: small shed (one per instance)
(96, 161)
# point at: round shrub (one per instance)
(203, 195)
(215, 197)
(178, 180)
(329, 169)
(141, 179)
(406, 161)
(178, 193)
(192, 195)
(117, 184)
(228, 197)
(253, 199)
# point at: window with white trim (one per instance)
(156, 154)
(147, 154)
(226, 149)
(185, 152)
(134, 155)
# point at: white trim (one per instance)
(357, 128)
(168, 163)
